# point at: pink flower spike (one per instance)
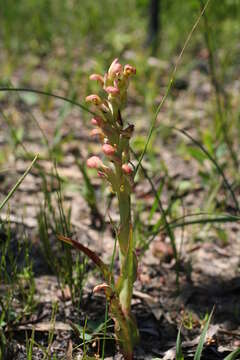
(112, 90)
(94, 162)
(108, 149)
(129, 70)
(127, 169)
(95, 99)
(114, 69)
(97, 77)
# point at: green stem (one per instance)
(126, 287)
(124, 202)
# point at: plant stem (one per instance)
(124, 202)
(125, 295)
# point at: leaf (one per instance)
(179, 355)
(81, 331)
(233, 355)
(196, 154)
(155, 204)
(90, 254)
(199, 350)
(97, 327)
(213, 160)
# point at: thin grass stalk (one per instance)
(214, 161)
(18, 183)
(170, 84)
(217, 87)
(46, 93)
(174, 223)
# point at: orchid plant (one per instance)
(115, 134)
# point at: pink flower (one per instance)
(127, 169)
(96, 121)
(95, 99)
(101, 175)
(112, 90)
(94, 162)
(108, 149)
(129, 70)
(114, 69)
(97, 77)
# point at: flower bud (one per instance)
(114, 69)
(95, 99)
(95, 162)
(112, 90)
(96, 121)
(127, 169)
(108, 149)
(97, 77)
(101, 175)
(129, 70)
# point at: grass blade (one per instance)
(199, 350)
(12, 191)
(179, 355)
(214, 219)
(214, 161)
(90, 254)
(233, 355)
(171, 81)
(41, 92)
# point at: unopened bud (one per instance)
(127, 169)
(129, 70)
(108, 149)
(101, 174)
(95, 162)
(112, 90)
(95, 99)
(96, 121)
(114, 69)
(97, 77)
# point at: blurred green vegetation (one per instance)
(36, 25)
(71, 37)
